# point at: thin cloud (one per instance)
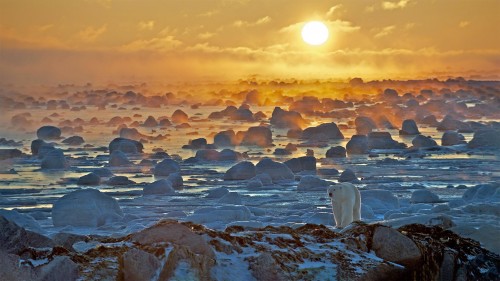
(157, 44)
(206, 35)
(332, 10)
(387, 5)
(146, 25)
(90, 34)
(463, 24)
(385, 31)
(337, 25)
(261, 21)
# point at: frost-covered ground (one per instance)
(464, 182)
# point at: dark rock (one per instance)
(48, 133)
(118, 159)
(364, 125)
(347, 176)
(409, 128)
(485, 139)
(225, 138)
(358, 145)
(9, 153)
(286, 119)
(383, 140)
(150, 122)
(137, 265)
(14, 238)
(336, 152)
(423, 141)
(119, 181)
(424, 196)
(89, 179)
(241, 171)
(61, 268)
(179, 117)
(389, 244)
(166, 167)
(265, 268)
(54, 160)
(259, 136)
(74, 140)
(323, 132)
(304, 163)
(452, 138)
(281, 151)
(35, 146)
(125, 145)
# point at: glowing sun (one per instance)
(315, 33)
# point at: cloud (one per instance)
(332, 10)
(146, 25)
(157, 44)
(386, 5)
(385, 31)
(261, 21)
(209, 13)
(206, 35)
(90, 34)
(103, 3)
(45, 27)
(463, 24)
(336, 25)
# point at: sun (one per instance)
(315, 33)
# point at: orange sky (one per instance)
(61, 41)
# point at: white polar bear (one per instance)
(346, 203)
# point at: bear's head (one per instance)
(334, 189)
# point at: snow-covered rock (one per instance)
(379, 199)
(217, 192)
(309, 183)
(162, 186)
(87, 208)
(277, 170)
(233, 198)
(424, 196)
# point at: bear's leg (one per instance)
(337, 214)
(357, 208)
(346, 214)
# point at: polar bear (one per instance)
(346, 203)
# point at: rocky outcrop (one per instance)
(173, 250)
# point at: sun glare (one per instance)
(315, 33)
